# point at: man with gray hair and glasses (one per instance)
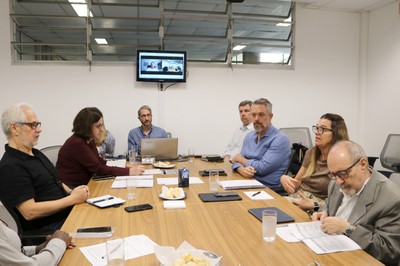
(235, 145)
(266, 150)
(362, 203)
(29, 183)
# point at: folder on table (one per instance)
(282, 217)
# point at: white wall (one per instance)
(382, 108)
(202, 112)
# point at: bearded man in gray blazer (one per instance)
(362, 203)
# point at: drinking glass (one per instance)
(131, 188)
(191, 154)
(115, 251)
(269, 225)
(213, 181)
(132, 155)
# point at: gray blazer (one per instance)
(376, 216)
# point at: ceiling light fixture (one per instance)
(80, 7)
(101, 40)
(239, 47)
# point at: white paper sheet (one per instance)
(135, 246)
(311, 234)
(153, 172)
(117, 163)
(174, 180)
(141, 181)
(260, 196)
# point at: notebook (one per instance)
(162, 148)
(210, 197)
(240, 184)
(282, 217)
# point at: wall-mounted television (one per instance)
(161, 66)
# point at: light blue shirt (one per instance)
(136, 135)
(269, 156)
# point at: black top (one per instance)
(23, 177)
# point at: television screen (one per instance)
(161, 66)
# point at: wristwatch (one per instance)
(349, 230)
(316, 206)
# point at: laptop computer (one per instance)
(163, 149)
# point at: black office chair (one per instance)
(390, 156)
(28, 237)
(281, 191)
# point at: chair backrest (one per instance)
(298, 135)
(8, 218)
(395, 177)
(51, 152)
(390, 154)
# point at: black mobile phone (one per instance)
(140, 207)
(220, 171)
(225, 194)
(102, 229)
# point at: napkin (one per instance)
(174, 204)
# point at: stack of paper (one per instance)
(141, 181)
(240, 184)
(311, 234)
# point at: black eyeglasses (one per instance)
(320, 130)
(32, 125)
(343, 174)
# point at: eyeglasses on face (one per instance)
(343, 174)
(32, 125)
(99, 126)
(143, 116)
(321, 130)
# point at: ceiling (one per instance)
(48, 30)
(346, 5)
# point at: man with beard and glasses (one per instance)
(146, 130)
(266, 150)
(362, 203)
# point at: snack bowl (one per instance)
(168, 256)
(172, 193)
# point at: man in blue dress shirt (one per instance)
(265, 151)
(146, 130)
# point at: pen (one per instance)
(255, 194)
(96, 201)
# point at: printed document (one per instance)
(311, 234)
(141, 181)
(135, 246)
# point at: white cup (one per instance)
(131, 188)
(115, 251)
(213, 181)
(132, 155)
(269, 225)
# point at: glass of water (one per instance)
(213, 181)
(269, 225)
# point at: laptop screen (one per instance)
(161, 148)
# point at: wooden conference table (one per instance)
(225, 228)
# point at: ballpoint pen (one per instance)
(96, 201)
(255, 194)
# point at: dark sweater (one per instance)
(78, 161)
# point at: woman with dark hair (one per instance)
(78, 159)
(311, 181)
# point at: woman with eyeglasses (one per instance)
(79, 160)
(311, 181)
